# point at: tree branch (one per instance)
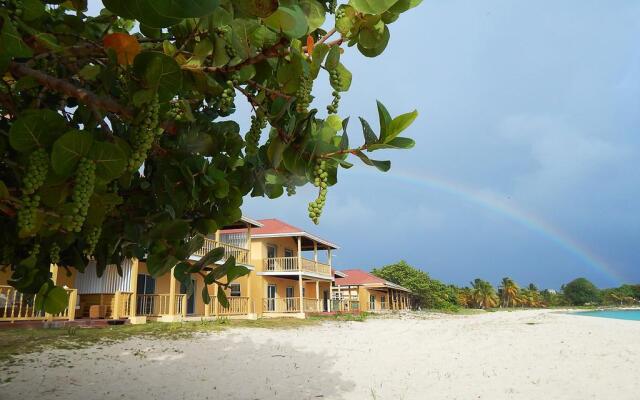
(61, 86)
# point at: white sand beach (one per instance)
(503, 355)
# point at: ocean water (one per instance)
(632, 315)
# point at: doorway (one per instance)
(271, 297)
(290, 299)
(325, 301)
(191, 298)
(146, 284)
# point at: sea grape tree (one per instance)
(117, 136)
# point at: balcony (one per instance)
(291, 305)
(16, 306)
(240, 254)
(292, 264)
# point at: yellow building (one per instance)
(290, 275)
(134, 294)
(293, 272)
(355, 289)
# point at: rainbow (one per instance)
(525, 218)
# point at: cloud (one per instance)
(563, 156)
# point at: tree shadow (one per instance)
(215, 366)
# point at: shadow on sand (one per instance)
(217, 366)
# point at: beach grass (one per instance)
(15, 342)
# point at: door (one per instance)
(146, 284)
(191, 298)
(325, 302)
(290, 299)
(272, 251)
(271, 297)
(372, 302)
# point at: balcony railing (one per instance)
(291, 305)
(291, 264)
(345, 305)
(156, 305)
(16, 306)
(240, 254)
(121, 304)
(281, 305)
(237, 306)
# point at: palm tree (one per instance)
(484, 295)
(530, 297)
(509, 292)
(465, 298)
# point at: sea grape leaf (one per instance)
(68, 150)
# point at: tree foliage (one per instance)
(427, 292)
(118, 142)
(581, 291)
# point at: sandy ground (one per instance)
(502, 355)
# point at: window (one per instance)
(235, 289)
(288, 253)
(372, 302)
(272, 251)
(304, 291)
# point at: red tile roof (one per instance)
(273, 227)
(358, 277)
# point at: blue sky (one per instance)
(526, 163)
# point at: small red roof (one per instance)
(358, 277)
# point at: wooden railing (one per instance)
(240, 254)
(281, 305)
(156, 305)
(311, 305)
(121, 306)
(237, 306)
(345, 305)
(16, 306)
(290, 264)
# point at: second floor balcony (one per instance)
(295, 264)
(239, 253)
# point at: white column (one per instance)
(300, 273)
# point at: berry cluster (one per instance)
(303, 95)
(92, 238)
(36, 171)
(258, 123)
(82, 191)
(227, 97)
(27, 213)
(291, 188)
(320, 181)
(35, 250)
(225, 34)
(332, 6)
(175, 112)
(336, 81)
(54, 253)
(340, 13)
(143, 134)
